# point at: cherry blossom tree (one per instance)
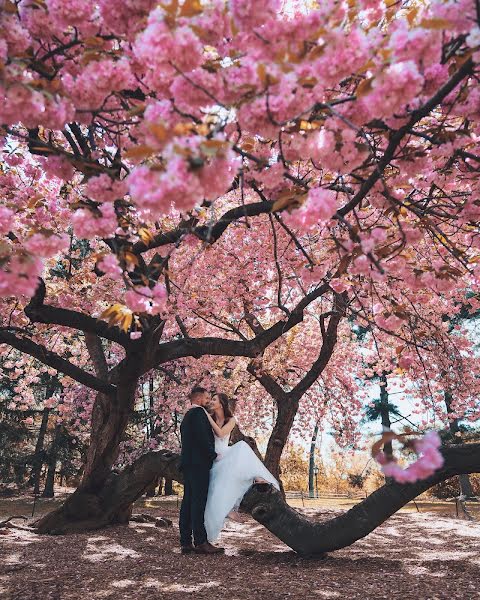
(240, 180)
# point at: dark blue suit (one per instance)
(198, 454)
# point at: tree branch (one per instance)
(51, 359)
(53, 315)
(97, 355)
(197, 347)
(326, 350)
(399, 134)
(208, 234)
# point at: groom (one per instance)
(198, 454)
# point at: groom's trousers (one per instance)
(192, 511)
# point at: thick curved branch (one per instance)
(267, 506)
(51, 359)
(97, 355)
(203, 232)
(53, 315)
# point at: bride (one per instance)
(235, 469)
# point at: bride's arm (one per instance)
(222, 431)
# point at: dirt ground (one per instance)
(413, 555)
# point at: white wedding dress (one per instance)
(230, 477)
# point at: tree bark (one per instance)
(286, 413)
(168, 489)
(49, 491)
(112, 504)
(311, 462)
(238, 435)
(267, 506)
(151, 490)
(463, 480)
(38, 457)
(87, 507)
(384, 412)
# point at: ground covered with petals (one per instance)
(412, 555)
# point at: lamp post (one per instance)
(315, 472)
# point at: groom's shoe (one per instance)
(187, 549)
(207, 548)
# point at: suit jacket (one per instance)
(198, 444)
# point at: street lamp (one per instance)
(315, 472)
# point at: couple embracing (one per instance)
(216, 475)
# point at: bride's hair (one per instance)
(225, 402)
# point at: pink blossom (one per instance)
(189, 94)
(158, 47)
(47, 245)
(361, 265)
(338, 285)
(6, 218)
(183, 184)
(105, 189)
(97, 81)
(396, 87)
(143, 299)
(88, 225)
(320, 206)
(58, 166)
(50, 402)
(431, 459)
(19, 276)
(65, 13)
(405, 361)
(217, 176)
(137, 302)
(127, 16)
(248, 14)
(390, 323)
(110, 266)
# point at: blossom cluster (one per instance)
(430, 460)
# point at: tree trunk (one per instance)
(384, 412)
(287, 409)
(237, 436)
(151, 490)
(311, 462)
(48, 491)
(287, 402)
(464, 480)
(151, 424)
(38, 457)
(91, 505)
(168, 487)
(113, 502)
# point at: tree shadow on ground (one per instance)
(402, 559)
